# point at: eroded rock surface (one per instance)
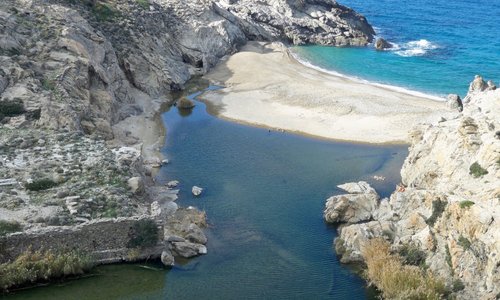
(447, 205)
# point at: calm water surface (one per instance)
(264, 195)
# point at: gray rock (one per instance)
(477, 85)
(136, 185)
(187, 249)
(173, 183)
(196, 190)
(382, 44)
(454, 102)
(185, 103)
(350, 208)
(361, 187)
(195, 234)
(167, 258)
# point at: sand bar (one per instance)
(265, 86)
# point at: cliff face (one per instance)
(81, 64)
(448, 205)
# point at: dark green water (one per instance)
(264, 195)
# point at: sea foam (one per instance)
(414, 48)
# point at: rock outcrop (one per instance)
(447, 205)
(382, 44)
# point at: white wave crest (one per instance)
(415, 48)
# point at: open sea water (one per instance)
(439, 45)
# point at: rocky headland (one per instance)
(82, 84)
(444, 215)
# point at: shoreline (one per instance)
(266, 86)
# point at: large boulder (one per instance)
(358, 206)
(454, 102)
(167, 258)
(188, 249)
(382, 44)
(477, 85)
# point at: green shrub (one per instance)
(42, 184)
(7, 227)
(458, 285)
(48, 84)
(396, 280)
(144, 233)
(476, 170)
(412, 255)
(36, 266)
(438, 207)
(11, 108)
(466, 204)
(104, 12)
(464, 242)
(143, 3)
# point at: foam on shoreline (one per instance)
(398, 89)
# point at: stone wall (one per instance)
(105, 239)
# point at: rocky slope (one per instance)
(447, 208)
(81, 87)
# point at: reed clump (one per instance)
(35, 266)
(394, 279)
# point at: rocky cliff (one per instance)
(447, 207)
(81, 87)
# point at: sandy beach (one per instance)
(265, 86)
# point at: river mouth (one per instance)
(264, 196)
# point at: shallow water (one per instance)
(440, 45)
(264, 196)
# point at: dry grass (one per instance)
(31, 267)
(396, 280)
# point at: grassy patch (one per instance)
(36, 266)
(458, 285)
(438, 207)
(41, 184)
(11, 108)
(104, 12)
(7, 227)
(476, 170)
(466, 204)
(143, 3)
(464, 242)
(412, 255)
(143, 234)
(396, 280)
(48, 84)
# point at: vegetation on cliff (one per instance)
(396, 280)
(36, 266)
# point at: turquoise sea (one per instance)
(439, 45)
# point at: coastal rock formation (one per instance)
(454, 102)
(354, 207)
(447, 204)
(382, 44)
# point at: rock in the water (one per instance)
(196, 190)
(187, 249)
(454, 102)
(382, 44)
(196, 235)
(136, 185)
(173, 183)
(167, 258)
(361, 187)
(185, 103)
(355, 207)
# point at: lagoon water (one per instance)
(439, 45)
(264, 196)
